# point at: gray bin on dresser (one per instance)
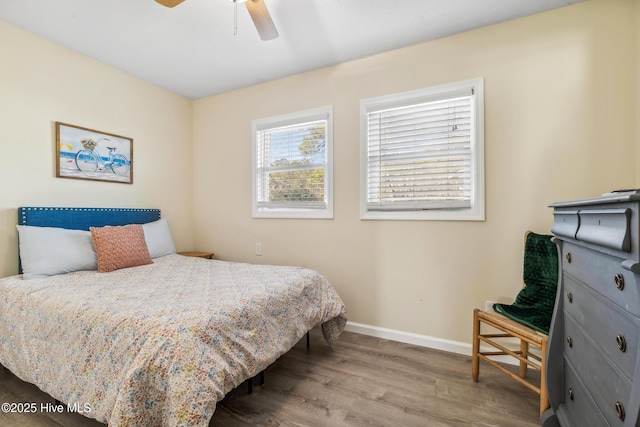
(593, 372)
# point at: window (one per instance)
(292, 158)
(423, 154)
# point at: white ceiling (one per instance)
(192, 50)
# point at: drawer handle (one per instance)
(569, 297)
(570, 341)
(571, 395)
(568, 257)
(619, 281)
(620, 411)
(621, 343)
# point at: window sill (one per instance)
(293, 214)
(426, 215)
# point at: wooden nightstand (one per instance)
(207, 255)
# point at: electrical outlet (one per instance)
(258, 249)
(488, 305)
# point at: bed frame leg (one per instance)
(308, 342)
(250, 382)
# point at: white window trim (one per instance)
(275, 121)
(477, 211)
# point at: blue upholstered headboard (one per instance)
(83, 218)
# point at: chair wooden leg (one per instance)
(475, 361)
(524, 352)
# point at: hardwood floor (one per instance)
(365, 381)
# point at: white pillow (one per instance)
(46, 251)
(158, 238)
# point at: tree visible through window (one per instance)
(292, 165)
(289, 179)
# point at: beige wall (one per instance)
(41, 83)
(559, 120)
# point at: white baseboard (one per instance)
(410, 338)
(421, 340)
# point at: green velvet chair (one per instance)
(527, 319)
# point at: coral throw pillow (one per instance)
(120, 247)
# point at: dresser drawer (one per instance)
(578, 404)
(565, 223)
(607, 385)
(604, 274)
(608, 227)
(612, 330)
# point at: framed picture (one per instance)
(83, 153)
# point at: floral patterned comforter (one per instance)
(160, 344)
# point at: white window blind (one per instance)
(292, 170)
(421, 152)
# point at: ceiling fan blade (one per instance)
(169, 3)
(261, 19)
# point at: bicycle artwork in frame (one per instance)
(83, 153)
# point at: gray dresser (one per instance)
(593, 371)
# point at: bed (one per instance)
(157, 344)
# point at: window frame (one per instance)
(322, 113)
(476, 212)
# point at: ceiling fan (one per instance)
(257, 10)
